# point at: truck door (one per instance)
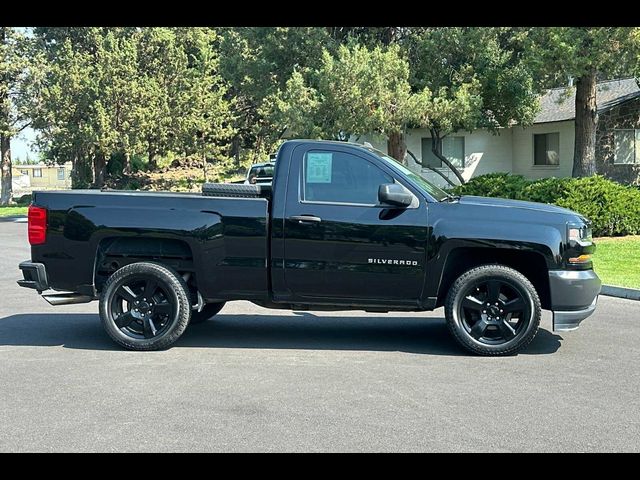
(340, 245)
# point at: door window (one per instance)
(339, 177)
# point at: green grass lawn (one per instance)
(12, 211)
(617, 261)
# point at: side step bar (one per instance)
(66, 298)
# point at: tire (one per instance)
(493, 310)
(208, 311)
(162, 311)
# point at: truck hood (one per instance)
(507, 203)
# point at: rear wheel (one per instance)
(493, 310)
(145, 306)
(208, 311)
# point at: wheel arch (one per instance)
(116, 252)
(531, 264)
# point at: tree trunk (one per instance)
(127, 163)
(5, 166)
(204, 168)
(235, 150)
(584, 154)
(99, 164)
(75, 180)
(81, 170)
(398, 146)
(5, 138)
(153, 165)
(436, 148)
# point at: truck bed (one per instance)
(204, 234)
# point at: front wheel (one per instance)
(493, 310)
(145, 306)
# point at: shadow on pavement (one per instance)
(304, 331)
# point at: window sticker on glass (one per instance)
(319, 167)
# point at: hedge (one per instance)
(613, 208)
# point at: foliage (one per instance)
(257, 62)
(477, 77)
(587, 54)
(546, 190)
(481, 70)
(17, 73)
(499, 184)
(613, 208)
(126, 99)
(20, 74)
(555, 53)
(131, 91)
(24, 199)
(356, 91)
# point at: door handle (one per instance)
(305, 218)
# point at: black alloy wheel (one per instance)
(141, 307)
(145, 306)
(493, 310)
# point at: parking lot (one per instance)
(266, 380)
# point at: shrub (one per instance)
(546, 190)
(24, 199)
(500, 184)
(613, 208)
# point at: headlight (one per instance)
(580, 234)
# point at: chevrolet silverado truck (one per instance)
(342, 227)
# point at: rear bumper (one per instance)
(35, 276)
(574, 295)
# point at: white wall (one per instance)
(509, 151)
(20, 182)
(378, 142)
(484, 153)
(523, 150)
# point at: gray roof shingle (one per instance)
(558, 104)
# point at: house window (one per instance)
(546, 149)
(24, 172)
(627, 146)
(61, 174)
(452, 149)
(37, 172)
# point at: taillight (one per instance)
(37, 225)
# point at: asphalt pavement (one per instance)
(255, 379)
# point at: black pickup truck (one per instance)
(343, 226)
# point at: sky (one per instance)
(21, 145)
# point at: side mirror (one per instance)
(394, 194)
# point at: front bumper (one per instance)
(35, 276)
(574, 294)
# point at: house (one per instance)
(545, 148)
(41, 176)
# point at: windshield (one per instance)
(433, 190)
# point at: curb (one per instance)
(620, 292)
